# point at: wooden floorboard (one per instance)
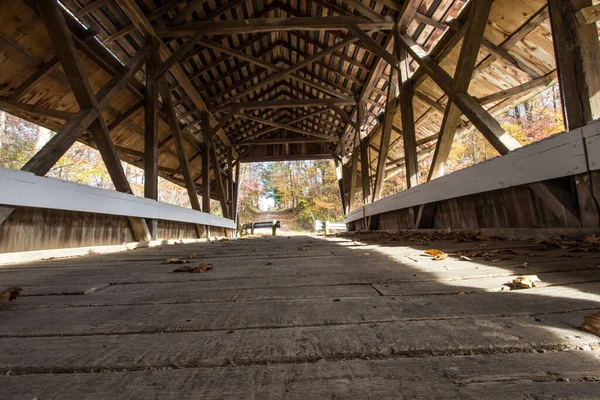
(304, 317)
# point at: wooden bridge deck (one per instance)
(304, 317)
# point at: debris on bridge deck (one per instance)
(352, 316)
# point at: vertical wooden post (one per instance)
(577, 53)
(230, 180)
(206, 168)
(339, 169)
(386, 133)
(236, 191)
(408, 119)
(205, 163)
(353, 175)
(364, 156)
(151, 130)
(274, 227)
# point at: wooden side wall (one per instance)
(515, 207)
(29, 229)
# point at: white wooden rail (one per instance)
(25, 189)
(565, 154)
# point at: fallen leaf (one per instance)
(591, 323)
(303, 248)
(483, 238)
(438, 255)
(177, 261)
(8, 295)
(591, 378)
(525, 282)
(461, 292)
(592, 239)
(482, 245)
(199, 269)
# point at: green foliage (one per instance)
(308, 187)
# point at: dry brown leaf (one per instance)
(303, 248)
(482, 245)
(592, 239)
(461, 292)
(8, 295)
(591, 323)
(199, 269)
(177, 261)
(483, 238)
(525, 282)
(438, 255)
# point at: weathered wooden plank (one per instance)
(198, 349)
(278, 313)
(494, 377)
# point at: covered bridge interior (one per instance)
(188, 90)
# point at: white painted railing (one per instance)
(327, 226)
(565, 154)
(19, 188)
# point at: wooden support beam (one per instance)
(543, 81)
(290, 70)
(373, 46)
(364, 156)
(266, 142)
(353, 175)
(481, 119)
(47, 156)
(284, 126)
(430, 21)
(16, 107)
(588, 15)
(151, 129)
(93, 6)
(386, 132)
(409, 137)
(184, 164)
(409, 10)
(142, 23)
(220, 185)
(257, 25)
(365, 10)
(206, 131)
(230, 183)
(301, 103)
(479, 14)
(54, 20)
(178, 55)
(577, 53)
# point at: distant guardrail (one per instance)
(329, 226)
(268, 224)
